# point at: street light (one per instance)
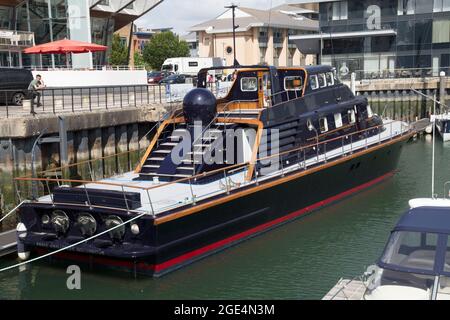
(233, 8)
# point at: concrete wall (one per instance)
(91, 78)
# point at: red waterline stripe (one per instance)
(224, 242)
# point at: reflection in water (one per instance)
(300, 260)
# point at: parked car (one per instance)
(156, 76)
(177, 78)
(14, 85)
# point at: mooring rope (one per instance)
(13, 210)
(73, 245)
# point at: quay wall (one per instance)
(90, 135)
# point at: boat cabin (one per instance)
(415, 263)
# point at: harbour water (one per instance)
(300, 260)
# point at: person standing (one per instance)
(34, 87)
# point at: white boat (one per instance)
(415, 264)
(442, 122)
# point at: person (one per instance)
(34, 87)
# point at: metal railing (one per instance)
(80, 99)
(399, 73)
(307, 157)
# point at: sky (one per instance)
(183, 14)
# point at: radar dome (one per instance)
(199, 105)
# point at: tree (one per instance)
(162, 46)
(139, 60)
(119, 52)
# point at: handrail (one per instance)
(205, 174)
(158, 123)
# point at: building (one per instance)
(139, 38)
(388, 37)
(192, 40)
(29, 22)
(261, 38)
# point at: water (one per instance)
(301, 260)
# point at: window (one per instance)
(249, 84)
(340, 10)
(441, 31)
(193, 64)
(441, 5)
(323, 123)
(369, 111)
(330, 78)
(322, 80)
(352, 116)
(406, 7)
(314, 82)
(338, 120)
(293, 83)
(411, 250)
(104, 3)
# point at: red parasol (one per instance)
(65, 46)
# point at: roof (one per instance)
(318, 69)
(248, 18)
(426, 219)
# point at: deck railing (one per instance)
(309, 156)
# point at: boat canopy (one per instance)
(426, 219)
(419, 243)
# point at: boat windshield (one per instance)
(411, 252)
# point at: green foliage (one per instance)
(139, 60)
(163, 46)
(119, 52)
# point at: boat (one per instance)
(415, 264)
(282, 143)
(442, 122)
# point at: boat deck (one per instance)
(8, 243)
(157, 198)
(346, 289)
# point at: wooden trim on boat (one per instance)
(263, 186)
(152, 145)
(251, 167)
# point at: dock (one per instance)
(346, 289)
(8, 244)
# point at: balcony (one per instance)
(10, 39)
(263, 40)
(278, 42)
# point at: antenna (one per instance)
(433, 170)
(233, 8)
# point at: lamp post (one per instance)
(233, 8)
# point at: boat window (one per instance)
(414, 250)
(338, 120)
(249, 84)
(293, 83)
(369, 111)
(447, 257)
(351, 116)
(322, 80)
(314, 82)
(330, 78)
(323, 123)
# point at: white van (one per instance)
(190, 66)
